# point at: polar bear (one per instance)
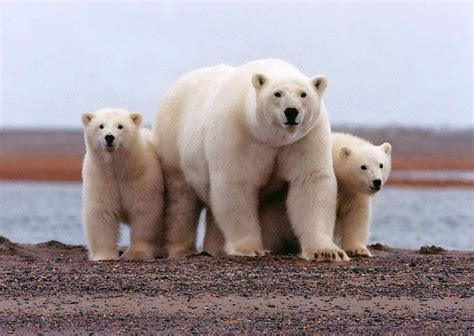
(122, 183)
(226, 134)
(361, 169)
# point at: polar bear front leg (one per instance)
(354, 228)
(182, 209)
(102, 231)
(311, 206)
(234, 205)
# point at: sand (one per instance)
(52, 288)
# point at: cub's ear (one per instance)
(387, 148)
(136, 118)
(345, 152)
(258, 81)
(86, 118)
(320, 82)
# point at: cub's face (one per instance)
(365, 170)
(288, 108)
(110, 130)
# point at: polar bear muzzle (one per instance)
(376, 185)
(291, 114)
(109, 139)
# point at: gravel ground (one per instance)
(52, 288)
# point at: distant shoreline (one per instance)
(57, 168)
(56, 155)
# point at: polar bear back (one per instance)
(194, 104)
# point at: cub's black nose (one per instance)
(109, 138)
(291, 113)
(377, 183)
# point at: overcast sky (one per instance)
(387, 63)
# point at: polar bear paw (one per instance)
(105, 256)
(251, 252)
(358, 251)
(139, 254)
(245, 249)
(179, 251)
(325, 254)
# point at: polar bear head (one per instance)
(364, 169)
(288, 107)
(111, 130)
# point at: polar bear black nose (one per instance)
(377, 183)
(291, 113)
(109, 138)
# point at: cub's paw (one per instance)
(325, 254)
(133, 254)
(179, 251)
(180, 255)
(247, 252)
(245, 248)
(105, 256)
(358, 251)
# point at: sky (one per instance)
(387, 63)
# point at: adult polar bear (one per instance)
(226, 134)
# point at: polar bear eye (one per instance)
(101, 126)
(303, 95)
(363, 167)
(277, 94)
(381, 165)
(119, 126)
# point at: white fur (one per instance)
(355, 188)
(221, 130)
(121, 184)
(353, 209)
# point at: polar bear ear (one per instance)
(345, 152)
(258, 81)
(387, 148)
(86, 118)
(320, 82)
(136, 118)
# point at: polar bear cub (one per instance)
(122, 183)
(361, 169)
(226, 134)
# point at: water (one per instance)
(402, 217)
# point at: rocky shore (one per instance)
(52, 288)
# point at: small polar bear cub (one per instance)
(122, 183)
(361, 169)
